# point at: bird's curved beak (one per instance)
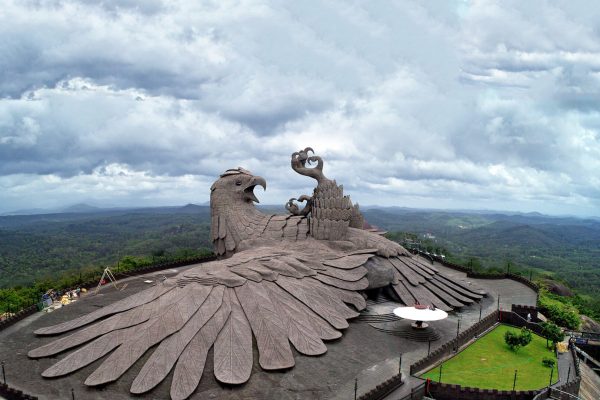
(249, 191)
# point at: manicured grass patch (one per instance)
(490, 364)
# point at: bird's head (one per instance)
(235, 186)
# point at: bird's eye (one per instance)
(238, 183)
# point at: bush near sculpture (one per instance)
(548, 362)
(560, 313)
(552, 333)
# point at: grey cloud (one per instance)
(419, 103)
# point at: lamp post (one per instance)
(515, 381)
(400, 365)
(440, 377)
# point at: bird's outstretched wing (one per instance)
(277, 296)
(415, 280)
(299, 296)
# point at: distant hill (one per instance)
(79, 208)
(568, 247)
(34, 245)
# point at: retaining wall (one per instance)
(416, 393)
(383, 389)
(523, 310)
(13, 394)
(26, 312)
(482, 275)
(446, 391)
(511, 318)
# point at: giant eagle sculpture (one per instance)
(284, 279)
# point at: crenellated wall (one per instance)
(383, 389)
(9, 393)
(26, 312)
(481, 275)
(446, 391)
(523, 310)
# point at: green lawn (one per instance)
(490, 364)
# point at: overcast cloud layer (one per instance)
(468, 104)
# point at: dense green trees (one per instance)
(55, 250)
(561, 313)
(44, 247)
(552, 332)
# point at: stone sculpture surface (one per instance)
(283, 279)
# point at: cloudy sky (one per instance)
(438, 104)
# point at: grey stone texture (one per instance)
(284, 285)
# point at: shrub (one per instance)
(552, 332)
(561, 314)
(525, 337)
(516, 340)
(548, 362)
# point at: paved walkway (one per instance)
(566, 367)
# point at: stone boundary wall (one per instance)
(449, 347)
(26, 312)
(457, 267)
(416, 393)
(514, 319)
(13, 394)
(383, 389)
(523, 310)
(514, 277)
(446, 391)
(481, 275)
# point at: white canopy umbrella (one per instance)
(420, 313)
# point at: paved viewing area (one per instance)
(362, 352)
